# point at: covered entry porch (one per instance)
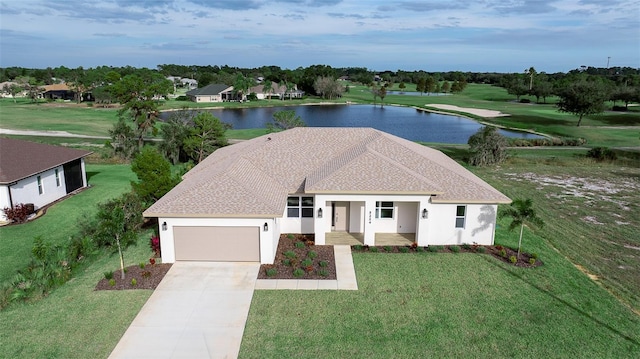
(382, 239)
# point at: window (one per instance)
(297, 206)
(40, 187)
(460, 214)
(384, 209)
(57, 178)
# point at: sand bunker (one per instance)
(473, 111)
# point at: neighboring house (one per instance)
(234, 205)
(277, 91)
(189, 83)
(22, 93)
(57, 92)
(211, 93)
(37, 173)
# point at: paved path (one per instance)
(199, 310)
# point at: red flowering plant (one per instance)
(155, 245)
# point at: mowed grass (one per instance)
(427, 305)
(61, 219)
(75, 321)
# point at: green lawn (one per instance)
(106, 181)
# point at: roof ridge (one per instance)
(340, 160)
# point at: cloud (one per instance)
(111, 35)
(229, 4)
(524, 7)
(311, 3)
(424, 6)
(345, 16)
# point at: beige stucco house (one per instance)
(234, 205)
(211, 93)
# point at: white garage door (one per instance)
(221, 244)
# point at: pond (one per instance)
(404, 122)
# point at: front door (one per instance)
(340, 216)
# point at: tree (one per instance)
(123, 139)
(241, 86)
(582, 98)
(421, 85)
(446, 87)
(284, 120)
(154, 175)
(374, 92)
(12, 89)
(139, 95)
(174, 132)
(118, 221)
(487, 147)
(521, 212)
(514, 83)
(267, 88)
(402, 86)
(429, 85)
(206, 136)
(626, 94)
(328, 87)
(382, 92)
(531, 72)
(542, 88)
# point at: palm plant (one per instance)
(521, 212)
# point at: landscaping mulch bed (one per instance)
(146, 278)
(500, 252)
(285, 266)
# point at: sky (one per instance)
(431, 35)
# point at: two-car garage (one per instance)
(220, 243)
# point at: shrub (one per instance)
(481, 249)
(298, 273)
(487, 147)
(154, 243)
(19, 213)
(466, 246)
(112, 282)
(525, 100)
(323, 264)
(373, 249)
(323, 272)
(513, 259)
(503, 253)
(286, 262)
(134, 282)
(602, 154)
(141, 265)
(146, 274)
(290, 254)
(182, 98)
(358, 247)
(532, 261)
(290, 236)
(387, 248)
(306, 263)
(419, 249)
(299, 244)
(312, 254)
(108, 275)
(271, 272)
(404, 249)
(534, 255)
(454, 249)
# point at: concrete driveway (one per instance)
(199, 310)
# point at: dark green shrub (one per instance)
(602, 154)
(306, 263)
(387, 248)
(299, 244)
(271, 272)
(432, 249)
(298, 273)
(481, 249)
(108, 275)
(404, 249)
(358, 247)
(290, 236)
(286, 262)
(419, 249)
(312, 254)
(290, 254)
(373, 249)
(323, 264)
(466, 246)
(534, 255)
(513, 259)
(454, 249)
(141, 265)
(323, 272)
(503, 253)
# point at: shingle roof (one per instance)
(21, 159)
(253, 178)
(212, 89)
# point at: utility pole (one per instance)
(608, 58)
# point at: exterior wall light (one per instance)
(265, 227)
(319, 212)
(164, 226)
(425, 214)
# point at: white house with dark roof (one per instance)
(38, 173)
(211, 93)
(234, 205)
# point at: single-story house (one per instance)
(58, 92)
(277, 90)
(38, 173)
(211, 93)
(234, 205)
